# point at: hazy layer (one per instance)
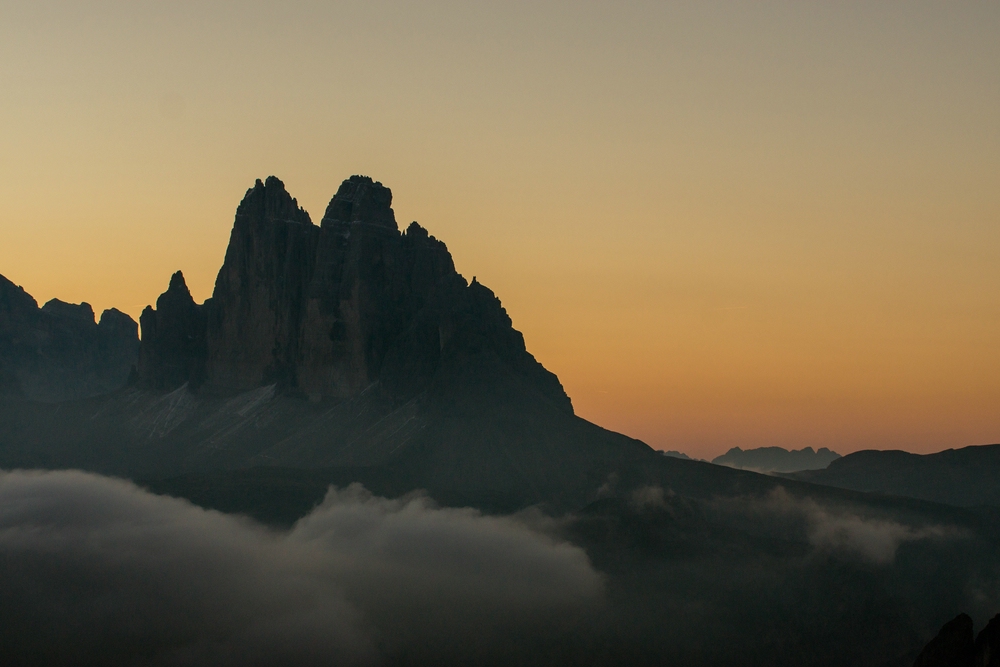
(98, 571)
(719, 224)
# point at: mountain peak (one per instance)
(331, 311)
(177, 284)
(173, 339)
(14, 299)
(269, 201)
(59, 352)
(361, 199)
(82, 312)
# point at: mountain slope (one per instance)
(349, 345)
(965, 477)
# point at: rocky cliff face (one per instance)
(329, 311)
(173, 339)
(954, 645)
(58, 352)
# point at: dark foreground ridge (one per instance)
(957, 646)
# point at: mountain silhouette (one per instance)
(331, 311)
(966, 477)
(956, 645)
(349, 347)
(59, 352)
(776, 459)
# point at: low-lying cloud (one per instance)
(842, 530)
(95, 570)
(876, 540)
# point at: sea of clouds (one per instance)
(95, 570)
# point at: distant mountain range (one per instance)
(776, 459)
(674, 454)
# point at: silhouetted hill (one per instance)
(966, 477)
(776, 459)
(58, 352)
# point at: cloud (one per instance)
(842, 530)
(95, 570)
(649, 496)
(874, 539)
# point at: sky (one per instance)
(720, 224)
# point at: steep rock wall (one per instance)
(329, 311)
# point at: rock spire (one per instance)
(330, 311)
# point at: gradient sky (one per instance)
(721, 224)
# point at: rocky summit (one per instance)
(349, 347)
(330, 311)
(173, 339)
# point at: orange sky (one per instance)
(720, 224)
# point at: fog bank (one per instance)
(98, 571)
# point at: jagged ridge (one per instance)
(329, 311)
(59, 352)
